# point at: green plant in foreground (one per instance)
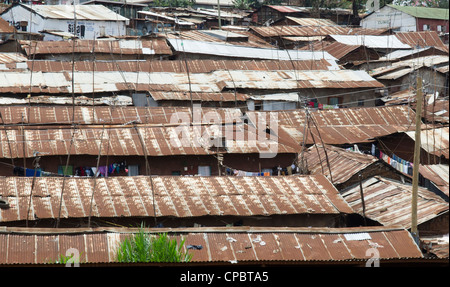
(143, 247)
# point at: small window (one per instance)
(133, 170)
(204, 170)
(360, 103)
(426, 27)
(334, 101)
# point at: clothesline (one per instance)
(396, 162)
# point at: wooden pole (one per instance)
(415, 183)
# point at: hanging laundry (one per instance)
(31, 172)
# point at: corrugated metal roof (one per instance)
(341, 126)
(311, 21)
(236, 51)
(241, 38)
(389, 202)
(165, 17)
(58, 115)
(423, 12)
(83, 12)
(438, 174)
(179, 66)
(344, 164)
(336, 49)
(281, 31)
(421, 39)
(214, 82)
(11, 58)
(402, 68)
(218, 244)
(5, 27)
(434, 141)
(437, 245)
(157, 46)
(175, 196)
(161, 140)
(371, 41)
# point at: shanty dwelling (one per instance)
(408, 18)
(346, 55)
(125, 79)
(194, 49)
(175, 201)
(222, 246)
(132, 88)
(217, 143)
(283, 36)
(400, 75)
(383, 44)
(228, 35)
(268, 14)
(389, 203)
(154, 22)
(342, 126)
(348, 166)
(97, 50)
(434, 145)
(92, 21)
(305, 22)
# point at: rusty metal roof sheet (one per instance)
(336, 49)
(421, 39)
(178, 66)
(156, 46)
(238, 244)
(175, 196)
(311, 21)
(350, 125)
(281, 31)
(124, 140)
(434, 141)
(389, 202)
(243, 38)
(438, 174)
(214, 82)
(59, 115)
(402, 68)
(5, 27)
(9, 58)
(437, 245)
(344, 164)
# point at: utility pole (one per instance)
(218, 9)
(415, 183)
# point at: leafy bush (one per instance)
(143, 247)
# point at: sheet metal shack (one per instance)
(176, 201)
(220, 246)
(389, 203)
(93, 21)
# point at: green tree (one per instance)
(144, 247)
(173, 3)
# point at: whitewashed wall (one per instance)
(91, 28)
(388, 17)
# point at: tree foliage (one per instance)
(173, 3)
